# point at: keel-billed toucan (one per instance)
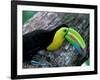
(50, 40)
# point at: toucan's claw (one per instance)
(37, 63)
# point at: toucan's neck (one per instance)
(56, 43)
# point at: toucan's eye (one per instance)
(65, 30)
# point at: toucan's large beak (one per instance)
(75, 39)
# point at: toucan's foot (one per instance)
(38, 63)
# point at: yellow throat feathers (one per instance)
(56, 42)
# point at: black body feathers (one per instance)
(37, 40)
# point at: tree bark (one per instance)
(66, 55)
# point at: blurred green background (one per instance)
(27, 15)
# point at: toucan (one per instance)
(38, 40)
(50, 40)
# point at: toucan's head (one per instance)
(62, 32)
(70, 35)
